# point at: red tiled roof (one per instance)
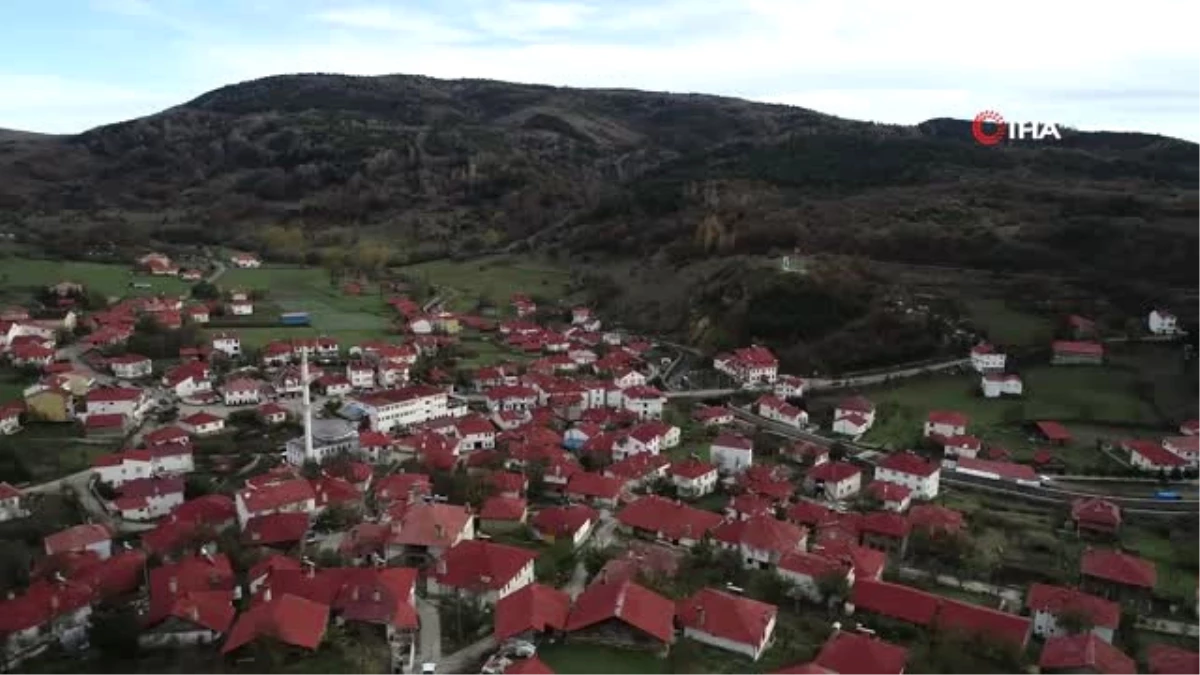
(378, 595)
(193, 573)
(894, 600)
(886, 523)
(1154, 453)
(559, 521)
(528, 666)
(474, 564)
(276, 528)
(534, 607)
(910, 463)
(810, 668)
(810, 513)
(627, 602)
(762, 533)
(76, 538)
(1165, 659)
(1079, 348)
(867, 562)
(287, 618)
(833, 472)
(1053, 431)
(275, 495)
(1059, 599)
(1096, 511)
(398, 486)
(507, 481)
(212, 610)
(888, 492)
(594, 485)
(935, 518)
(949, 417)
(814, 565)
(674, 520)
(855, 404)
(200, 419)
(846, 652)
(42, 602)
(168, 434)
(1084, 653)
(748, 504)
(723, 615)
(1119, 567)
(635, 467)
(429, 524)
(643, 393)
(503, 508)
(996, 624)
(113, 421)
(730, 440)
(692, 468)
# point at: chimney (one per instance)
(194, 613)
(266, 594)
(376, 596)
(354, 594)
(439, 530)
(441, 566)
(173, 585)
(54, 602)
(700, 616)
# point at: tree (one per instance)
(336, 518)
(833, 587)
(837, 451)
(206, 291)
(310, 470)
(114, 632)
(1075, 621)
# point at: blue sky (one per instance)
(68, 65)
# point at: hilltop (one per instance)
(618, 171)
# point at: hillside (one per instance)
(461, 165)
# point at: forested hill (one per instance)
(464, 165)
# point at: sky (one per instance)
(69, 65)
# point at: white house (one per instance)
(242, 391)
(645, 402)
(693, 478)
(131, 366)
(557, 523)
(1047, 603)
(288, 496)
(245, 261)
(778, 410)
(229, 344)
(807, 570)
(128, 401)
(402, 408)
(1151, 456)
(912, 471)
(241, 307)
(628, 377)
(790, 386)
(731, 453)
(149, 498)
(987, 359)
(1162, 322)
(727, 621)
(749, 366)
(47, 612)
(511, 397)
(92, 537)
(836, 480)
(10, 417)
(853, 416)
(1186, 447)
(189, 379)
(995, 385)
(962, 446)
(120, 467)
(361, 375)
(945, 423)
(11, 505)
(482, 570)
(203, 424)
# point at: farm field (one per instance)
(1007, 326)
(23, 275)
(1105, 400)
(484, 352)
(307, 289)
(494, 278)
(583, 658)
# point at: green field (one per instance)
(307, 289)
(1098, 394)
(19, 276)
(494, 278)
(1006, 326)
(486, 352)
(585, 658)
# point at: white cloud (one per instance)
(885, 61)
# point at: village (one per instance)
(210, 480)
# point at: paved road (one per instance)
(825, 384)
(429, 637)
(74, 353)
(467, 659)
(218, 270)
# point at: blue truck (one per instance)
(294, 319)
